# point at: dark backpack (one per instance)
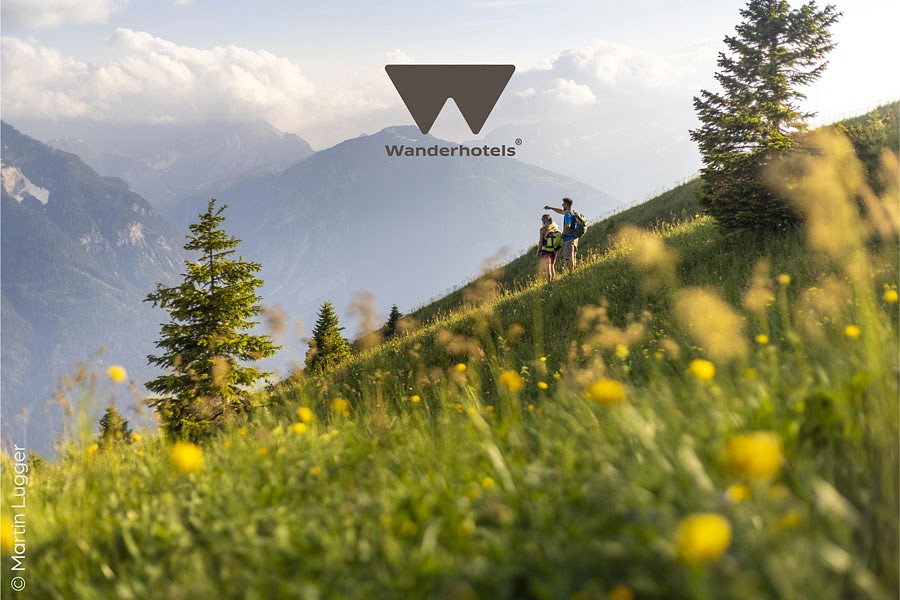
(580, 225)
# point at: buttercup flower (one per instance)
(606, 391)
(305, 414)
(298, 428)
(852, 331)
(702, 369)
(117, 373)
(755, 455)
(702, 537)
(186, 457)
(511, 380)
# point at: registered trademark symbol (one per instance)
(518, 141)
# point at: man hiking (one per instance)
(570, 239)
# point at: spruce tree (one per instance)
(113, 427)
(327, 347)
(755, 118)
(390, 328)
(207, 339)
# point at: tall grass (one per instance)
(547, 441)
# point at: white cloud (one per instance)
(48, 14)
(398, 57)
(572, 93)
(153, 79)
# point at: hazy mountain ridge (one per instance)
(351, 218)
(166, 162)
(75, 270)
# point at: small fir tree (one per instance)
(390, 328)
(207, 340)
(327, 347)
(113, 427)
(755, 118)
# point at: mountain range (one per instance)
(79, 254)
(81, 251)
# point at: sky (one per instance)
(316, 68)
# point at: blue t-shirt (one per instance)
(569, 223)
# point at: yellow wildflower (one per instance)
(137, 437)
(622, 351)
(790, 520)
(92, 449)
(315, 470)
(762, 339)
(702, 369)
(542, 385)
(852, 331)
(460, 367)
(226, 444)
(755, 455)
(511, 380)
(488, 483)
(340, 405)
(737, 493)
(606, 391)
(702, 537)
(262, 451)
(186, 457)
(7, 537)
(531, 408)
(890, 296)
(415, 399)
(621, 592)
(543, 359)
(784, 279)
(242, 431)
(117, 373)
(305, 414)
(298, 428)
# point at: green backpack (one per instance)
(580, 225)
(552, 241)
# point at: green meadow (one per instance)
(689, 414)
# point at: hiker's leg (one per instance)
(574, 262)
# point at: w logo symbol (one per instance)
(426, 88)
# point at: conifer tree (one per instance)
(390, 328)
(756, 117)
(113, 427)
(327, 347)
(207, 339)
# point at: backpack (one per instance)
(552, 241)
(580, 225)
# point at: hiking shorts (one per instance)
(570, 250)
(549, 255)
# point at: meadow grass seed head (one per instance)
(186, 457)
(702, 538)
(702, 369)
(117, 373)
(712, 322)
(755, 456)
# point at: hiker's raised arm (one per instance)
(558, 211)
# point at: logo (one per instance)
(426, 88)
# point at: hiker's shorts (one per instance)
(570, 250)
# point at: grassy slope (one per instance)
(483, 490)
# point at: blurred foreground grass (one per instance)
(685, 416)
